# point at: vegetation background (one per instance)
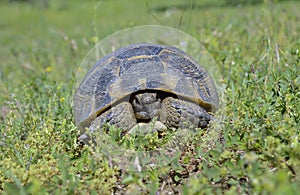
(255, 43)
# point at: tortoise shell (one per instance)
(138, 67)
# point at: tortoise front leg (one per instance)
(121, 116)
(177, 113)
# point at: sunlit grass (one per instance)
(256, 47)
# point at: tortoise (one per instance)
(141, 82)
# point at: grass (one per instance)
(256, 47)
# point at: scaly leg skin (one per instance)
(121, 116)
(177, 113)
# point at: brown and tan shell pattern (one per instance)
(142, 66)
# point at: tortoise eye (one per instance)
(148, 98)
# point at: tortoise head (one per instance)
(146, 105)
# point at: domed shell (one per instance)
(142, 66)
